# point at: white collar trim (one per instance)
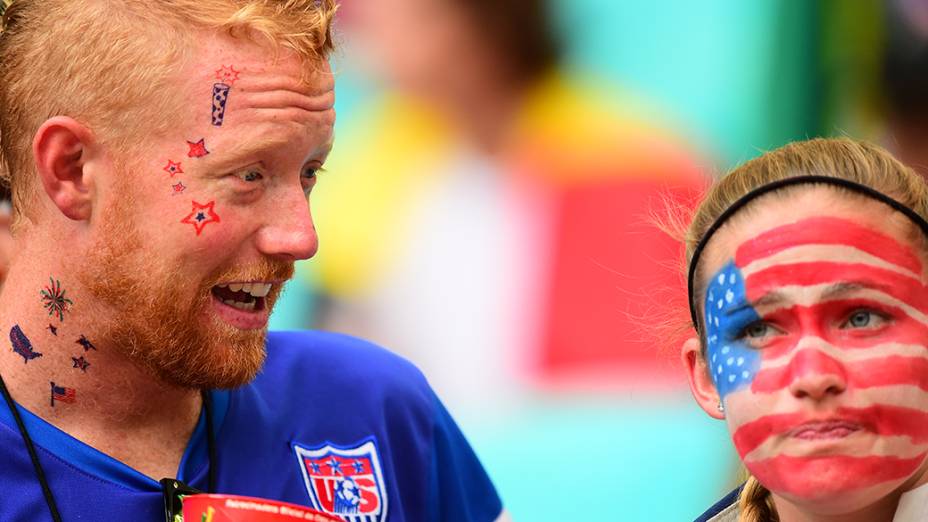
(913, 505)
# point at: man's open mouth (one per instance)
(248, 297)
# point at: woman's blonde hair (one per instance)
(857, 161)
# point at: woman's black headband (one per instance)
(776, 185)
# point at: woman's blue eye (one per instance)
(310, 173)
(757, 330)
(864, 319)
(859, 319)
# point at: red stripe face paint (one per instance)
(817, 340)
(892, 370)
(895, 285)
(879, 419)
(822, 477)
(840, 232)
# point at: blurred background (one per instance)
(490, 210)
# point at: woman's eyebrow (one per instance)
(769, 299)
(839, 289)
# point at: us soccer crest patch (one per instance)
(345, 481)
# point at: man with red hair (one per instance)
(160, 156)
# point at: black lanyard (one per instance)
(40, 474)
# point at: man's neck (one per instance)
(60, 368)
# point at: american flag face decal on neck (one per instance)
(817, 341)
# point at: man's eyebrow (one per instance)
(326, 148)
(239, 151)
(236, 155)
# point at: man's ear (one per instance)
(701, 384)
(60, 149)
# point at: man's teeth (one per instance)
(253, 289)
(249, 307)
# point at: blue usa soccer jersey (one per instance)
(331, 422)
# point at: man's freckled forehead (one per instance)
(271, 98)
(319, 83)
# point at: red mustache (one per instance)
(265, 270)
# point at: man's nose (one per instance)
(289, 231)
(815, 375)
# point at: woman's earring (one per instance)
(721, 407)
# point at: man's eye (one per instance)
(308, 179)
(250, 175)
(310, 172)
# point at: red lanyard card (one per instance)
(233, 508)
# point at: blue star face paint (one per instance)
(732, 362)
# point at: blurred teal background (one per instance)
(731, 79)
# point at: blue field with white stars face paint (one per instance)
(732, 362)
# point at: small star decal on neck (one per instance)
(83, 341)
(201, 215)
(227, 75)
(178, 188)
(80, 363)
(173, 168)
(197, 149)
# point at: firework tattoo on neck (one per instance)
(54, 299)
(809, 279)
(227, 77)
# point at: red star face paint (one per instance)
(173, 168)
(201, 215)
(227, 75)
(197, 149)
(817, 340)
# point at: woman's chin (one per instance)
(824, 495)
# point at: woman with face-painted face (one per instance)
(808, 269)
